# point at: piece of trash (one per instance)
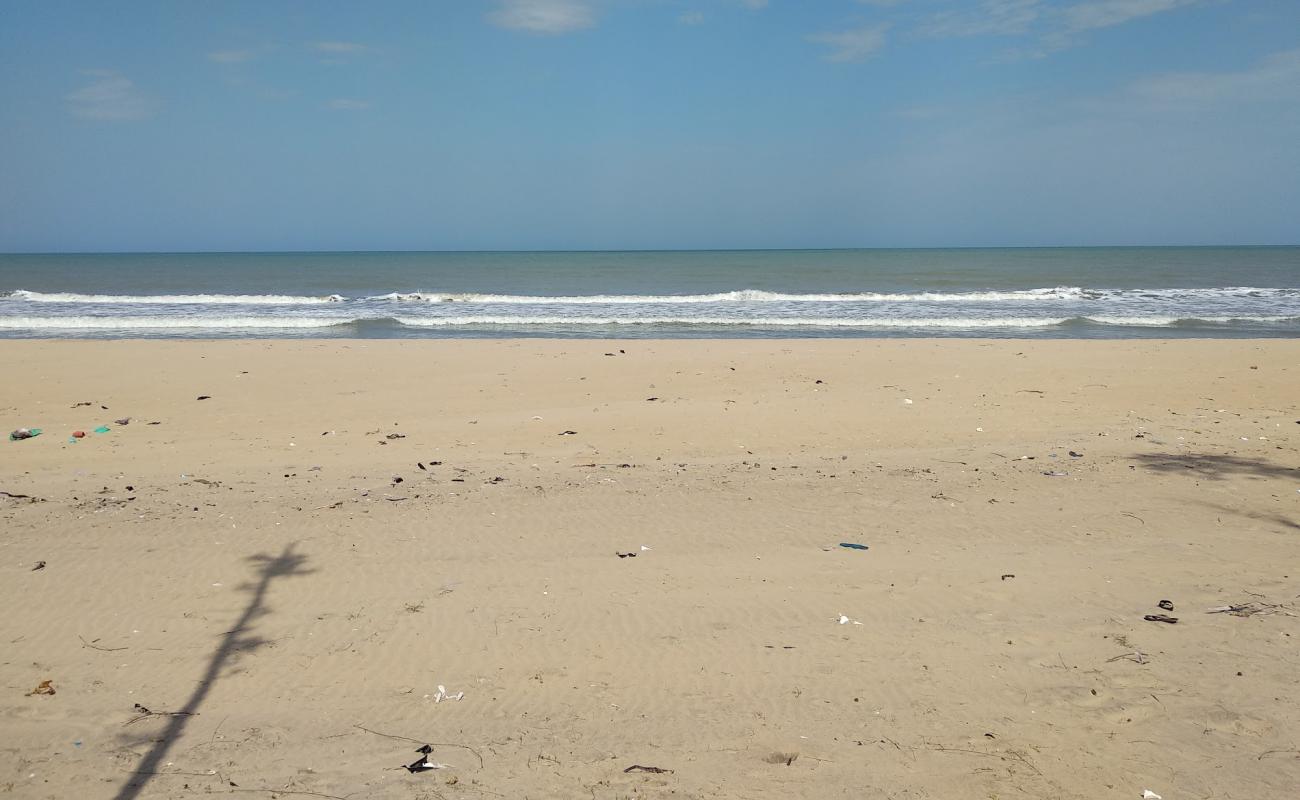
(1147, 794)
(85, 403)
(843, 620)
(1075, 455)
(421, 466)
(1160, 618)
(102, 429)
(651, 399)
(644, 547)
(655, 770)
(1008, 575)
(624, 555)
(78, 434)
(45, 687)
(852, 546)
(39, 565)
(204, 397)
(1055, 474)
(907, 401)
(393, 436)
(444, 695)
(122, 421)
(423, 764)
(567, 433)
(1167, 605)
(24, 433)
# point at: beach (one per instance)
(300, 560)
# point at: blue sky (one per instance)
(628, 124)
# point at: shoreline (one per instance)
(1002, 648)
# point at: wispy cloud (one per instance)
(857, 44)
(1276, 77)
(339, 48)
(1107, 13)
(231, 56)
(109, 96)
(691, 18)
(347, 104)
(993, 18)
(544, 16)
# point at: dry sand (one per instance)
(252, 559)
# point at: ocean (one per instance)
(1114, 292)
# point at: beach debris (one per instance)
(655, 770)
(40, 565)
(624, 555)
(24, 433)
(144, 713)
(1137, 657)
(853, 546)
(1006, 575)
(122, 421)
(390, 437)
(443, 694)
(397, 479)
(423, 764)
(78, 434)
(843, 620)
(781, 758)
(1051, 473)
(83, 403)
(1161, 618)
(102, 429)
(204, 397)
(651, 399)
(645, 547)
(1147, 794)
(1167, 605)
(421, 466)
(1249, 609)
(567, 433)
(45, 687)
(907, 401)
(1075, 455)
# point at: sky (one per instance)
(647, 124)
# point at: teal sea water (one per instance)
(1015, 292)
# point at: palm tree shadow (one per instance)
(1213, 467)
(235, 641)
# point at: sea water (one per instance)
(1014, 292)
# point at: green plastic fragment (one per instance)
(102, 429)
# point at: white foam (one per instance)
(174, 299)
(757, 322)
(1136, 321)
(739, 296)
(143, 323)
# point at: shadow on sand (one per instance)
(233, 642)
(1214, 467)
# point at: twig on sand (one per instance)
(422, 741)
(94, 646)
(1261, 756)
(291, 791)
(1134, 516)
(1012, 753)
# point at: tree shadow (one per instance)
(1213, 467)
(233, 642)
(1258, 516)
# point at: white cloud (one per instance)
(544, 16)
(691, 18)
(1107, 13)
(339, 48)
(994, 18)
(109, 96)
(347, 104)
(1276, 77)
(230, 56)
(857, 44)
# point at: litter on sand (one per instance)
(1160, 618)
(45, 687)
(843, 620)
(24, 433)
(1147, 794)
(423, 764)
(443, 695)
(852, 546)
(655, 770)
(102, 429)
